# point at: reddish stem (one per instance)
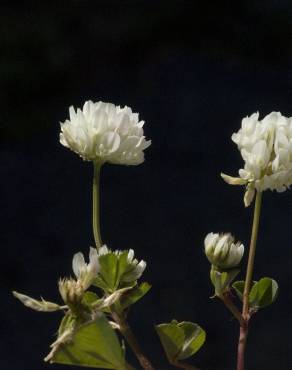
(241, 346)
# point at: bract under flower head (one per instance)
(266, 148)
(103, 132)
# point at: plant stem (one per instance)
(241, 346)
(251, 256)
(247, 285)
(183, 365)
(232, 308)
(96, 204)
(132, 341)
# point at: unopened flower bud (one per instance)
(71, 291)
(42, 305)
(222, 251)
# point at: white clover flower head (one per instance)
(85, 273)
(266, 148)
(222, 251)
(103, 132)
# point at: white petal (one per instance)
(72, 113)
(211, 239)
(140, 268)
(99, 121)
(78, 264)
(249, 195)
(233, 180)
(130, 255)
(110, 142)
(93, 261)
(103, 250)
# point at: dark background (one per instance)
(192, 70)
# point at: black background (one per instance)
(192, 70)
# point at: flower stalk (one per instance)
(232, 308)
(244, 327)
(96, 204)
(252, 251)
(128, 334)
(183, 365)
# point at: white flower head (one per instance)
(103, 132)
(222, 251)
(266, 148)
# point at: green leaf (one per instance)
(123, 266)
(109, 269)
(238, 286)
(100, 283)
(90, 299)
(180, 340)
(94, 344)
(172, 339)
(112, 269)
(134, 295)
(118, 270)
(195, 337)
(263, 293)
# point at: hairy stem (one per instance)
(132, 341)
(247, 285)
(96, 205)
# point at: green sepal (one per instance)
(180, 340)
(222, 279)
(134, 295)
(263, 293)
(93, 344)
